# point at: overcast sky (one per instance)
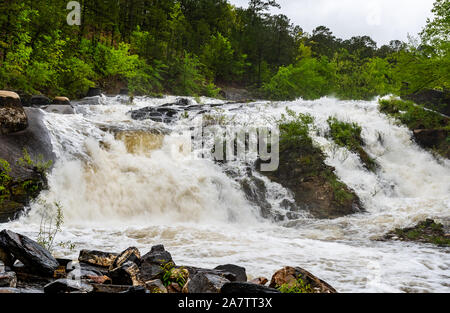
(383, 20)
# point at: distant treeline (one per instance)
(189, 47)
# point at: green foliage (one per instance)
(294, 129)
(348, 135)
(427, 231)
(412, 115)
(171, 274)
(39, 164)
(298, 287)
(310, 79)
(5, 178)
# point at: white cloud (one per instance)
(383, 20)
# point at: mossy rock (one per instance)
(427, 231)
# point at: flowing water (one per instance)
(135, 187)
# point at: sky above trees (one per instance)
(383, 20)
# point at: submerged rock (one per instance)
(291, 275)
(93, 91)
(157, 114)
(427, 231)
(59, 109)
(29, 252)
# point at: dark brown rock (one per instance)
(290, 275)
(29, 252)
(153, 262)
(98, 258)
(238, 271)
(40, 100)
(126, 274)
(131, 254)
(174, 288)
(12, 115)
(259, 281)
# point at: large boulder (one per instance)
(26, 182)
(314, 185)
(433, 139)
(291, 275)
(153, 262)
(12, 115)
(93, 91)
(40, 100)
(29, 252)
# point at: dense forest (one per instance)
(190, 47)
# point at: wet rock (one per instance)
(93, 91)
(433, 99)
(124, 91)
(205, 283)
(26, 182)
(245, 288)
(238, 271)
(97, 100)
(155, 286)
(98, 258)
(40, 100)
(68, 286)
(152, 263)
(427, 231)
(433, 139)
(84, 270)
(126, 274)
(314, 184)
(259, 281)
(29, 252)
(255, 191)
(59, 109)
(159, 114)
(131, 254)
(8, 279)
(290, 276)
(12, 115)
(60, 272)
(61, 101)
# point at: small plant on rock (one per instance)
(298, 287)
(171, 274)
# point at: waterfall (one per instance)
(125, 183)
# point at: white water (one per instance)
(113, 199)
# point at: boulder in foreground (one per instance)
(29, 252)
(291, 277)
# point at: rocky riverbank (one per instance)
(29, 268)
